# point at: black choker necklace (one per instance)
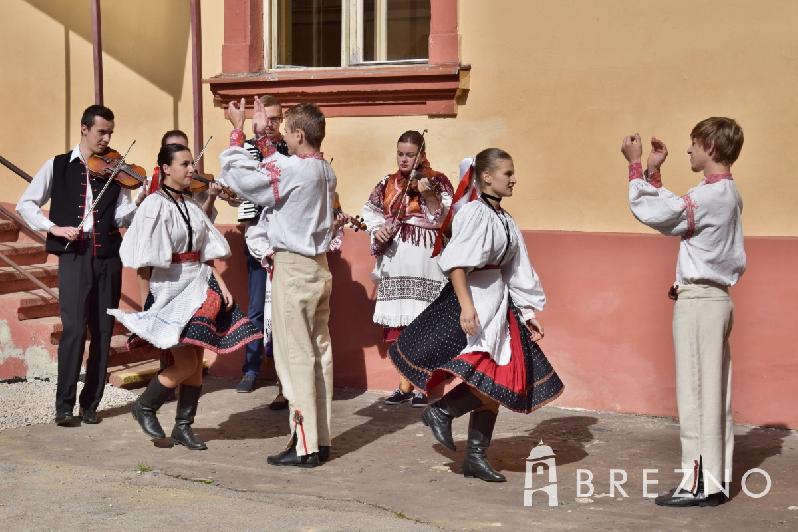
(497, 199)
(174, 190)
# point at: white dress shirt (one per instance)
(37, 194)
(708, 219)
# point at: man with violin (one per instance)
(86, 212)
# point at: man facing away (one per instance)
(711, 259)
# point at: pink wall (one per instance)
(608, 322)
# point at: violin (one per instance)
(201, 182)
(128, 175)
(355, 222)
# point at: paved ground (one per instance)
(386, 474)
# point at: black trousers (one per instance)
(87, 287)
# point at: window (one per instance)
(351, 57)
(340, 33)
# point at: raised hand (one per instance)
(632, 148)
(259, 119)
(658, 154)
(236, 112)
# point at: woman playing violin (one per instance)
(402, 215)
(187, 304)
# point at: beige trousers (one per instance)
(702, 323)
(301, 290)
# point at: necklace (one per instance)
(502, 219)
(183, 215)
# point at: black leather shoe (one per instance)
(90, 417)
(438, 416)
(66, 419)
(324, 453)
(684, 498)
(290, 458)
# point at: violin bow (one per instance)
(412, 175)
(118, 167)
(202, 151)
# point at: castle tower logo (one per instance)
(541, 471)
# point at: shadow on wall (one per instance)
(133, 33)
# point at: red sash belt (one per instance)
(488, 267)
(192, 256)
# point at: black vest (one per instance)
(67, 205)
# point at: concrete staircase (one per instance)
(30, 327)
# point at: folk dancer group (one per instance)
(457, 295)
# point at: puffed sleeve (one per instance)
(472, 241)
(257, 237)
(263, 183)
(216, 246)
(372, 212)
(147, 241)
(655, 205)
(522, 281)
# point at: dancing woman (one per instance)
(188, 306)
(482, 328)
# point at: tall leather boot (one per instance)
(148, 403)
(439, 415)
(480, 432)
(187, 401)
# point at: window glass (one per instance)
(408, 29)
(309, 33)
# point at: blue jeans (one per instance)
(257, 296)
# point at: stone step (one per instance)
(30, 304)
(58, 328)
(23, 253)
(137, 374)
(120, 354)
(9, 231)
(13, 281)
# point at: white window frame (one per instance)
(351, 36)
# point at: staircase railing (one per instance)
(34, 235)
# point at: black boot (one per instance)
(480, 432)
(182, 434)
(439, 415)
(148, 403)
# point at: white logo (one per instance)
(539, 463)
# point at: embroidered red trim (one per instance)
(265, 147)
(315, 155)
(635, 171)
(274, 172)
(185, 257)
(237, 138)
(714, 178)
(655, 179)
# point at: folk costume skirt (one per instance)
(428, 352)
(212, 326)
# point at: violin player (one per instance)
(87, 244)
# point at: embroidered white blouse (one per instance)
(479, 239)
(299, 190)
(708, 218)
(178, 289)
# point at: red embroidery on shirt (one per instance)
(265, 147)
(314, 155)
(714, 178)
(273, 171)
(635, 171)
(691, 206)
(237, 138)
(655, 179)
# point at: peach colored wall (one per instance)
(608, 322)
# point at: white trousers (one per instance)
(301, 291)
(702, 323)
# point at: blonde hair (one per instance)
(309, 118)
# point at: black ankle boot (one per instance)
(439, 415)
(148, 403)
(182, 434)
(480, 432)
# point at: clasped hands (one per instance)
(632, 149)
